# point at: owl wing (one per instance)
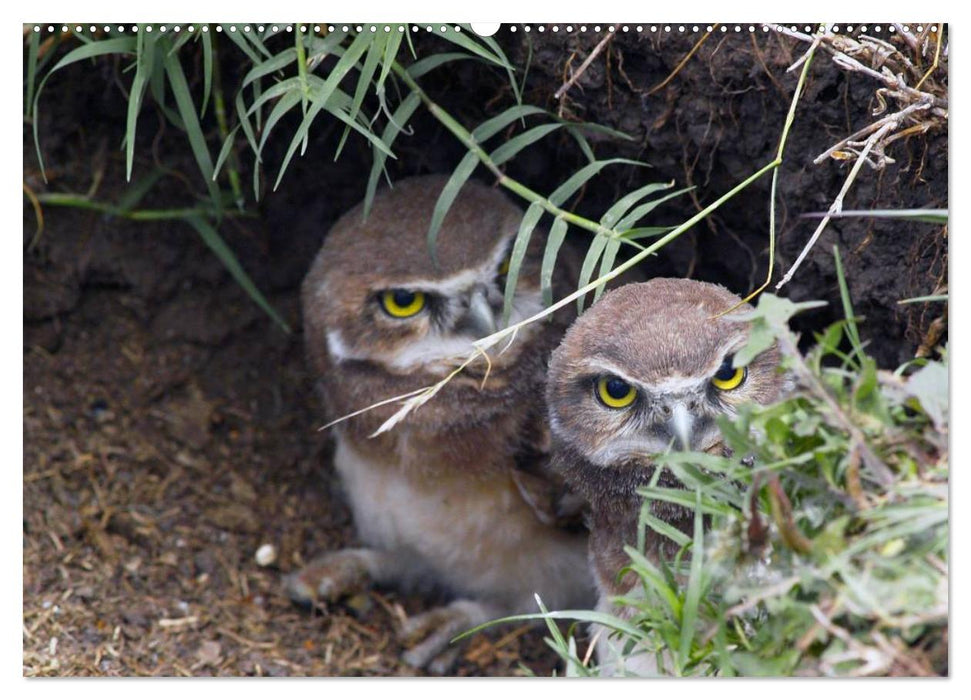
(544, 491)
(553, 504)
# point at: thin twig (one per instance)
(896, 117)
(937, 58)
(783, 139)
(837, 204)
(583, 66)
(683, 61)
(38, 214)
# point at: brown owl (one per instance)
(457, 496)
(647, 368)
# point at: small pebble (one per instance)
(266, 555)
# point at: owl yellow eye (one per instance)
(614, 392)
(402, 303)
(728, 377)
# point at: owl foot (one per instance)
(332, 576)
(436, 628)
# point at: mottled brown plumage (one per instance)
(457, 496)
(666, 340)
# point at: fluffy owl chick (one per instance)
(646, 369)
(456, 496)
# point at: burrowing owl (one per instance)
(647, 368)
(456, 496)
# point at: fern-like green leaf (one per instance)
(526, 227)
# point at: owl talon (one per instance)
(444, 663)
(439, 626)
(331, 576)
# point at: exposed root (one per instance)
(683, 61)
(583, 66)
(918, 111)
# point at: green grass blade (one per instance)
(32, 50)
(510, 71)
(374, 54)
(320, 48)
(580, 177)
(278, 90)
(553, 243)
(518, 143)
(224, 152)
(597, 246)
(184, 39)
(206, 39)
(598, 129)
(852, 331)
(137, 190)
(419, 68)
(156, 81)
(621, 207)
(606, 264)
(609, 621)
(927, 216)
(270, 65)
(526, 227)
(526, 66)
(391, 47)
(493, 126)
(920, 300)
(654, 578)
(411, 45)
(253, 38)
(144, 61)
(693, 594)
(215, 242)
(635, 234)
(550, 625)
(257, 91)
(125, 45)
(451, 190)
(243, 114)
(685, 498)
(664, 529)
(289, 99)
(398, 121)
(243, 45)
(283, 105)
(82, 37)
(344, 65)
(584, 144)
(462, 39)
(183, 100)
(639, 212)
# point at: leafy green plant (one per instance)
(280, 80)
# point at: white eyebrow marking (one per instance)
(602, 366)
(465, 279)
(674, 383)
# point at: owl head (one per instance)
(650, 366)
(376, 294)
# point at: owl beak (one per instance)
(682, 424)
(479, 319)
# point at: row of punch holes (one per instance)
(568, 28)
